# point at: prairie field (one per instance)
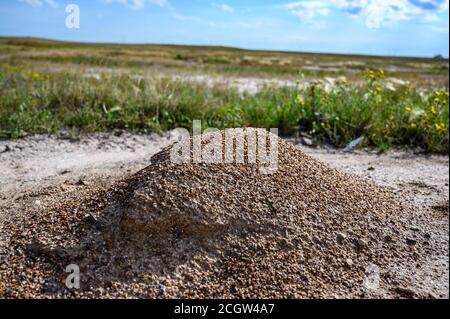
(85, 131)
(208, 154)
(53, 87)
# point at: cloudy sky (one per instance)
(388, 27)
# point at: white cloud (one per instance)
(223, 6)
(308, 11)
(137, 4)
(376, 13)
(380, 12)
(40, 3)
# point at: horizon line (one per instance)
(224, 47)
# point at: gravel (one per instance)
(197, 230)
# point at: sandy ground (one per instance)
(35, 163)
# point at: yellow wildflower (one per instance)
(36, 75)
(436, 100)
(437, 93)
(439, 127)
(344, 81)
(371, 75)
(299, 99)
(413, 125)
(408, 108)
(433, 110)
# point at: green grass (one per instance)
(33, 102)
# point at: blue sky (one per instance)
(386, 27)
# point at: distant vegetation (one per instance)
(43, 91)
(43, 54)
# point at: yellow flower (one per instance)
(371, 75)
(299, 99)
(439, 126)
(378, 89)
(433, 110)
(344, 81)
(413, 125)
(436, 99)
(408, 108)
(36, 75)
(437, 93)
(381, 72)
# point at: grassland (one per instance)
(50, 86)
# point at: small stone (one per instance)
(307, 141)
(80, 182)
(341, 237)
(371, 168)
(360, 244)
(6, 149)
(89, 219)
(411, 241)
(348, 262)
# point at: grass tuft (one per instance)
(32, 102)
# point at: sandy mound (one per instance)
(222, 230)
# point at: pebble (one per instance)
(349, 262)
(341, 237)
